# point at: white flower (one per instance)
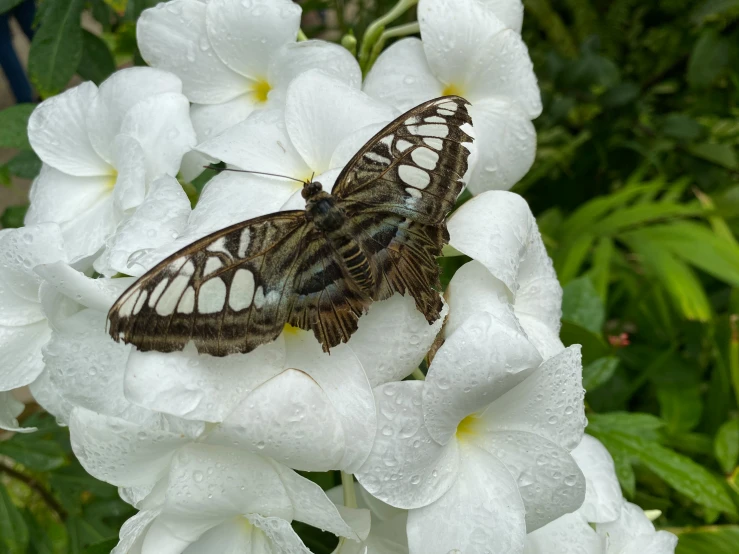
(102, 148)
(218, 499)
(606, 523)
(467, 50)
(24, 329)
(511, 275)
(234, 57)
(10, 409)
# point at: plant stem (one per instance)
(38, 488)
(376, 28)
(301, 35)
(393, 32)
(350, 493)
(418, 374)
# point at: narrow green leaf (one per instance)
(12, 217)
(642, 214)
(13, 529)
(7, 5)
(101, 547)
(624, 471)
(570, 257)
(680, 407)
(716, 539)
(81, 535)
(713, 8)
(639, 425)
(600, 273)
(33, 452)
(598, 372)
(13, 126)
(96, 63)
(682, 127)
(25, 164)
(582, 305)
(56, 48)
(726, 445)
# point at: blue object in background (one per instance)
(16, 75)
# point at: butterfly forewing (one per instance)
(414, 166)
(237, 288)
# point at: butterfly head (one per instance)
(311, 189)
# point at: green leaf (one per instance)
(101, 547)
(571, 256)
(81, 535)
(710, 9)
(582, 305)
(13, 529)
(680, 407)
(681, 127)
(96, 63)
(12, 217)
(33, 451)
(716, 539)
(719, 154)
(639, 425)
(56, 48)
(598, 372)
(641, 214)
(710, 56)
(624, 472)
(680, 472)
(726, 445)
(118, 5)
(6, 5)
(13, 126)
(25, 165)
(593, 346)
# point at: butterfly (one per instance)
(378, 232)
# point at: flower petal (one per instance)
(603, 493)
(280, 533)
(295, 58)
(87, 367)
(10, 409)
(198, 386)
(550, 402)
(568, 534)
(86, 233)
(260, 143)
(50, 399)
(130, 185)
(661, 542)
(59, 197)
(210, 120)
(159, 219)
(57, 132)
(161, 125)
(342, 378)
(98, 294)
(481, 361)
(312, 506)
(402, 77)
(21, 348)
(548, 479)
(506, 144)
(494, 228)
(510, 12)
(404, 334)
(133, 531)
(631, 526)
(123, 453)
(118, 94)
(453, 33)
(290, 419)
(406, 468)
(321, 110)
(172, 36)
(245, 34)
(482, 512)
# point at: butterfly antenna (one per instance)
(214, 168)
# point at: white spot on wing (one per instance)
(387, 140)
(435, 119)
(430, 130)
(126, 308)
(415, 193)
(411, 120)
(403, 145)
(414, 176)
(442, 111)
(187, 304)
(168, 302)
(244, 240)
(377, 158)
(451, 106)
(213, 264)
(212, 296)
(187, 269)
(157, 292)
(140, 302)
(425, 157)
(242, 290)
(436, 143)
(219, 246)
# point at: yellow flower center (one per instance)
(261, 90)
(467, 428)
(452, 89)
(290, 330)
(112, 178)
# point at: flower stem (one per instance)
(350, 493)
(418, 374)
(392, 32)
(38, 488)
(376, 28)
(301, 35)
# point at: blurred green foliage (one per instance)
(636, 190)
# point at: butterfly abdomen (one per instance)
(356, 264)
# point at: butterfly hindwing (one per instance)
(414, 166)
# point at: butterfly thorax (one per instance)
(327, 216)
